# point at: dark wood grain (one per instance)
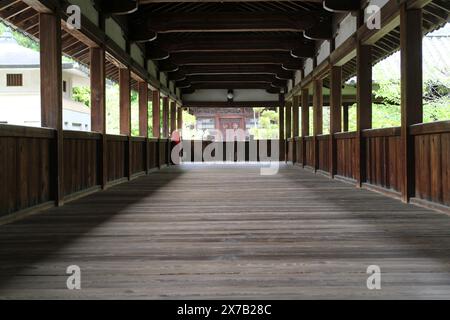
(294, 235)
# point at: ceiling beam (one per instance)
(277, 71)
(172, 1)
(231, 85)
(341, 5)
(145, 23)
(233, 42)
(243, 58)
(118, 7)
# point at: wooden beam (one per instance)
(232, 104)
(143, 108)
(98, 81)
(156, 112)
(341, 5)
(364, 105)
(241, 58)
(288, 124)
(173, 117)
(411, 92)
(278, 71)
(317, 117)
(305, 122)
(180, 120)
(335, 114)
(51, 95)
(98, 107)
(295, 115)
(165, 117)
(118, 6)
(281, 138)
(226, 22)
(233, 85)
(125, 101)
(228, 42)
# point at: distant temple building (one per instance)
(211, 120)
(20, 88)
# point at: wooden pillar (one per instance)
(317, 118)
(180, 120)
(364, 105)
(281, 126)
(125, 114)
(305, 122)
(156, 112)
(98, 107)
(288, 126)
(51, 95)
(345, 117)
(295, 127)
(173, 117)
(335, 114)
(411, 92)
(125, 101)
(295, 116)
(143, 109)
(165, 117)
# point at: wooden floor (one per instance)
(224, 231)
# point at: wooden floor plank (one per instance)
(207, 231)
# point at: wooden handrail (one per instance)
(116, 137)
(346, 135)
(82, 135)
(8, 130)
(381, 132)
(429, 128)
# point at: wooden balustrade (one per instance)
(81, 161)
(432, 161)
(383, 161)
(323, 144)
(346, 149)
(309, 151)
(26, 167)
(290, 149)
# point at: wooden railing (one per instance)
(27, 169)
(432, 161)
(323, 145)
(346, 154)
(382, 155)
(26, 165)
(309, 151)
(81, 161)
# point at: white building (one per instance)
(20, 88)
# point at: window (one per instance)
(64, 86)
(14, 80)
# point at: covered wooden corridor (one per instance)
(207, 231)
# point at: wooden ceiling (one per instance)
(223, 44)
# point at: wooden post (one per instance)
(165, 116)
(295, 126)
(317, 117)
(364, 105)
(281, 126)
(345, 117)
(51, 95)
(125, 101)
(156, 108)
(143, 109)
(125, 114)
(288, 126)
(335, 114)
(411, 92)
(173, 117)
(143, 120)
(305, 122)
(180, 120)
(98, 107)
(295, 116)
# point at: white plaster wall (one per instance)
(71, 117)
(289, 85)
(308, 66)
(346, 28)
(114, 31)
(297, 77)
(87, 10)
(379, 3)
(137, 54)
(324, 51)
